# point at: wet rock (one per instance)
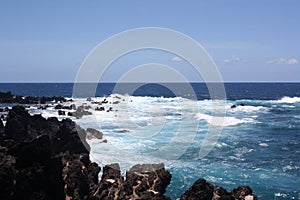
(72, 107)
(199, 190)
(93, 133)
(233, 106)
(80, 112)
(100, 109)
(104, 101)
(57, 107)
(61, 112)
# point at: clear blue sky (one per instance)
(47, 41)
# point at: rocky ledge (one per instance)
(8, 97)
(48, 159)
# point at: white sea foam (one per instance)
(263, 145)
(226, 121)
(280, 195)
(246, 109)
(288, 100)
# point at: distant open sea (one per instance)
(259, 145)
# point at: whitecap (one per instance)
(288, 100)
(223, 121)
(280, 195)
(247, 109)
(263, 145)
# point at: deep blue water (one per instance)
(234, 91)
(259, 145)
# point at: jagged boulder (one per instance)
(64, 135)
(80, 176)
(242, 192)
(148, 181)
(201, 190)
(221, 194)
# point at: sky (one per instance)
(250, 41)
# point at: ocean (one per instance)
(259, 142)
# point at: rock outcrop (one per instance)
(148, 181)
(80, 112)
(8, 97)
(202, 190)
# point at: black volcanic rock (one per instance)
(8, 97)
(148, 181)
(58, 107)
(63, 136)
(7, 174)
(241, 192)
(80, 175)
(221, 194)
(111, 184)
(44, 159)
(61, 112)
(201, 190)
(206, 191)
(80, 112)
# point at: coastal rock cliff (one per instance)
(49, 159)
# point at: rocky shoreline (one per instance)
(49, 159)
